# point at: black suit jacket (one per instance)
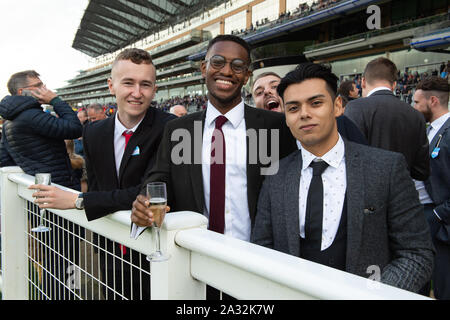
(184, 181)
(392, 234)
(438, 184)
(107, 191)
(348, 130)
(391, 124)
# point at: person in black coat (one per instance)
(386, 121)
(34, 140)
(431, 99)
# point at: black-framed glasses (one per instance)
(218, 62)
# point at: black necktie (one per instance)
(314, 205)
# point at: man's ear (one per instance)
(338, 109)
(110, 86)
(154, 92)
(394, 84)
(203, 68)
(434, 101)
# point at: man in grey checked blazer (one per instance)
(382, 223)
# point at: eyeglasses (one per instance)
(35, 85)
(218, 62)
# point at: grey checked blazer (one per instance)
(386, 225)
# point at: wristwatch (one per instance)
(79, 203)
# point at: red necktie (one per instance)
(217, 178)
(127, 134)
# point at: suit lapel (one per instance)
(291, 201)
(253, 121)
(135, 140)
(444, 127)
(355, 204)
(106, 148)
(196, 130)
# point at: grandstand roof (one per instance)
(108, 25)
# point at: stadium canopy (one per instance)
(108, 25)
(438, 41)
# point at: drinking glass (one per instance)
(157, 195)
(42, 178)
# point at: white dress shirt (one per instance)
(334, 186)
(119, 140)
(436, 125)
(237, 216)
(377, 89)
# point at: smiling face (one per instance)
(224, 84)
(134, 87)
(265, 93)
(311, 115)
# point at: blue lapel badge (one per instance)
(136, 151)
(435, 152)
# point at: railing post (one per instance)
(14, 239)
(172, 279)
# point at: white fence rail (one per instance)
(198, 257)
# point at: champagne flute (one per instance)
(157, 195)
(42, 178)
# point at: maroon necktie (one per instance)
(127, 134)
(217, 178)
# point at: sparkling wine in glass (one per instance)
(42, 178)
(157, 195)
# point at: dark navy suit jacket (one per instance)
(438, 184)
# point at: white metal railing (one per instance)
(198, 257)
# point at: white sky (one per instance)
(38, 35)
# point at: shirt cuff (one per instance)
(136, 231)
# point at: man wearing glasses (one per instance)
(219, 179)
(34, 140)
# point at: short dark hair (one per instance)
(380, 69)
(233, 38)
(345, 88)
(435, 86)
(265, 74)
(309, 70)
(19, 80)
(135, 55)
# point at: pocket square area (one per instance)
(136, 151)
(369, 210)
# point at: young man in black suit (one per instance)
(119, 152)
(338, 203)
(386, 121)
(226, 189)
(431, 99)
(226, 71)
